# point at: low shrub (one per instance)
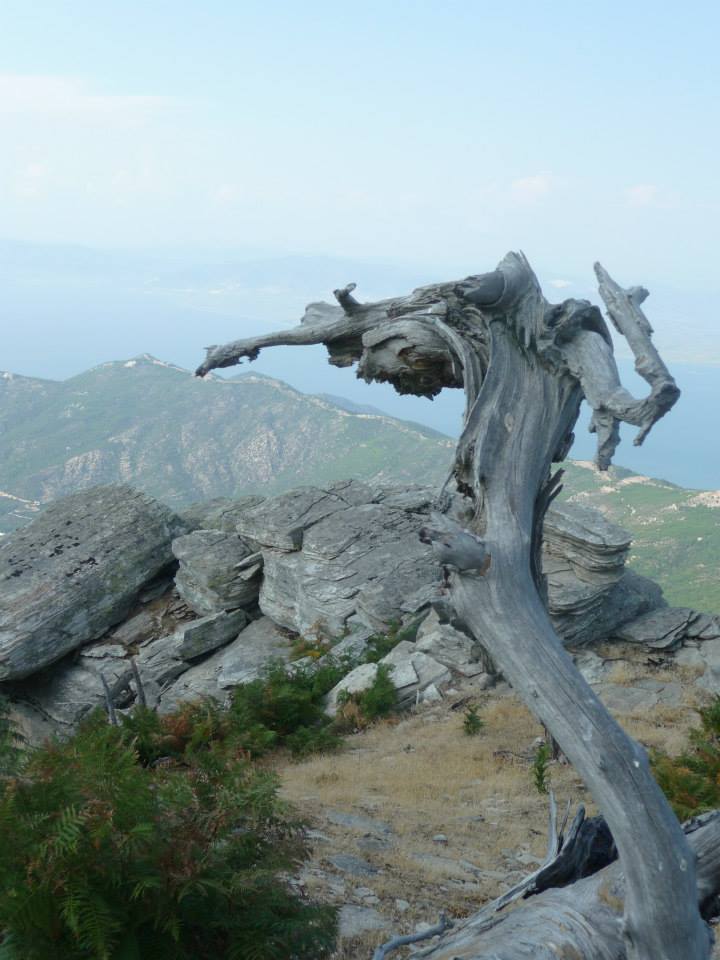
(691, 782)
(107, 856)
(380, 698)
(379, 645)
(541, 762)
(357, 710)
(472, 721)
(285, 708)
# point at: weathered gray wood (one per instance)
(139, 688)
(109, 705)
(526, 365)
(395, 943)
(582, 921)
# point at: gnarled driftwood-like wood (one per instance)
(525, 366)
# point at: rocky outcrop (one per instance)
(239, 662)
(415, 675)
(219, 514)
(589, 591)
(76, 571)
(90, 585)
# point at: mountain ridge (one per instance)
(181, 439)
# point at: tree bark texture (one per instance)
(582, 921)
(525, 366)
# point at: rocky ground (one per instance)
(413, 816)
(202, 600)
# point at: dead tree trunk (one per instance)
(525, 366)
(582, 921)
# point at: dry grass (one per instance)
(423, 776)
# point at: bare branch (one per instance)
(140, 689)
(440, 927)
(623, 308)
(109, 705)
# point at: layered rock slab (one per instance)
(332, 554)
(76, 571)
(590, 593)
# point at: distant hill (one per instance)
(180, 439)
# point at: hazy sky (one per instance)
(388, 142)
(435, 132)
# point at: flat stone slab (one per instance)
(662, 629)
(202, 636)
(355, 866)
(77, 571)
(353, 921)
(246, 657)
(358, 823)
(640, 695)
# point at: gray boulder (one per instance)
(76, 571)
(199, 637)
(219, 514)
(347, 552)
(450, 647)
(212, 576)
(71, 689)
(412, 673)
(705, 658)
(163, 660)
(244, 660)
(241, 661)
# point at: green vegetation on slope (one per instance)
(182, 439)
(676, 532)
(150, 839)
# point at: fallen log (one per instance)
(582, 921)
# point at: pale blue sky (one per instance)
(438, 132)
(196, 150)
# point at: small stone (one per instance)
(440, 838)
(373, 843)
(402, 905)
(527, 859)
(363, 892)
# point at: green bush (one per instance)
(285, 708)
(380, 698)
(472, 721)
(691, 781)
(108, 857)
